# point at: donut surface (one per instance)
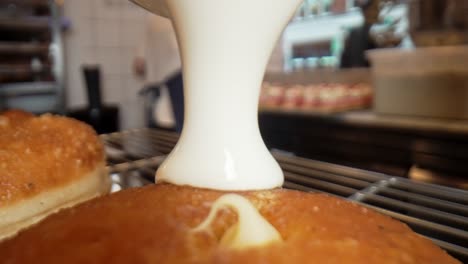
(153, 225)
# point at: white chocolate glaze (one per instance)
(251, 229)
(225, 46)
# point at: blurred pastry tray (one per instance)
(436, 212)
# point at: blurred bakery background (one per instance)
(374, 84)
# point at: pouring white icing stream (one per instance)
(225, 46)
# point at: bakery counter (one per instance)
(434, 150)
(370, 119)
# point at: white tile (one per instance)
(71, 43)
(69, 8)
(132, 33)
(132, 86)
(90, 55)
(127, 57)
(108, 32)
(112, 88)
(85, 31)
(110, 60)
(80, 55)
(79, 8)
(73, 56)
(109, 9)
(132, 12)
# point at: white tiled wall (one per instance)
(105, 32)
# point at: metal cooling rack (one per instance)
(437, 212)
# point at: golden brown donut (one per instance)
(153, 225)
(46, 163)
(16, 113)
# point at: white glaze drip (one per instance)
(251, 229)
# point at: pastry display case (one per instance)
(320, 91)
